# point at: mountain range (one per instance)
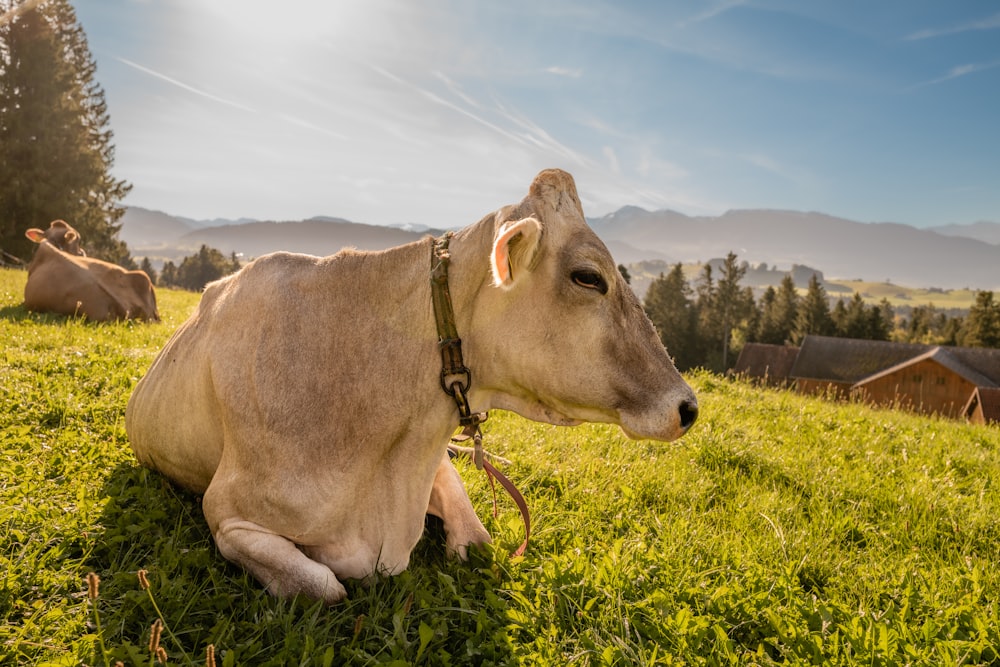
(948, 257)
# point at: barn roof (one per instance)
(850, 360)
(989, 399)
(943, 356)
(985, 360)
(760, 360)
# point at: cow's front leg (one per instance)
(450, 502)
(273, 560)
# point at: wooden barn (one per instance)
(834, 365)
(983, 406)
(768, 364)
(925, 378)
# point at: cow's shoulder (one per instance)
(49, 259)
(276, 275)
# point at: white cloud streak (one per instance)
(712, 12)
(184, 86)
(565, 71)
(437, 99)
(988, 23)
(612, 158)
(957, 72)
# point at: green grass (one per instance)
(783, 529)
(897, 296)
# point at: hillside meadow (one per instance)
(781, 530)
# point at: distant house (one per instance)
(983, 406)
(925, 378)
(769, 364)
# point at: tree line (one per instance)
(194, 271)
(705, 322)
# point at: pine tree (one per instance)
(766, 329)
(147, 267)
(926, 325)
(668, 304)
(880, 321)
(778, 315)
(839, 318)
(55, 145)
(706, 329)
(196, 271)
(982, 326)
(814, 313)
(731, 303)
(168, 275)
(857, 323)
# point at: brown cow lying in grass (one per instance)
(304, 396)
(63, 280)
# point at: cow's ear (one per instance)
(514, 249)
(35, 235)
(71, 236)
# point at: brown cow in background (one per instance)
(59, 234)
(63, 280)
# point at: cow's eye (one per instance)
(590, 280)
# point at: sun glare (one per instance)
(291, 24)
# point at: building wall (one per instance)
(976, 416)
(925, 387)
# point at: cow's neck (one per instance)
(470, 282)
(469, 271)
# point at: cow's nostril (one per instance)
(689, 413)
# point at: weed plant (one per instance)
(782, 530)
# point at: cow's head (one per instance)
(574, 342)
(59, 234)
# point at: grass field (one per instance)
(872, 292)
(781, 530)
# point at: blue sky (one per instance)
(439, 111)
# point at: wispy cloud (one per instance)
(540, 137)
(565, 71)
(957, 72)
(456, 89)
(712, 12)
(437, 99)
(988, 23)
(612, 158)
(652, 167)
(495, 116)
(311, 126)
(184, 86)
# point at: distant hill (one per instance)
(314, 237)
(952, 257)
(142, 228)
(988, 232)
(842, 248)
(163, 237)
